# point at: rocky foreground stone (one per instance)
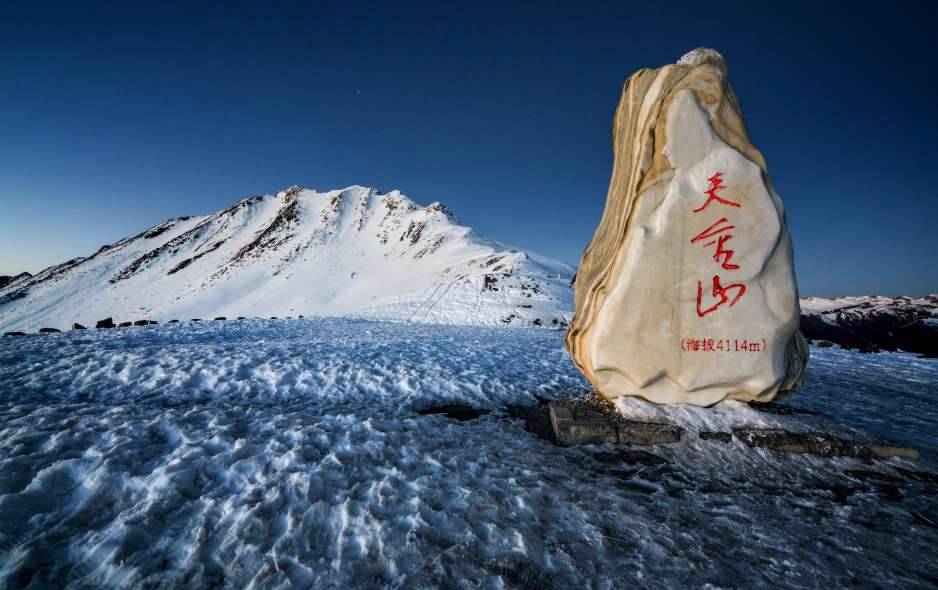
(592, 420)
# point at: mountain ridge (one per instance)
(354, 251)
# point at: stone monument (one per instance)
(686, 292)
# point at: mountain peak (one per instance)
(352, 251)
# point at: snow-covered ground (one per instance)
(290, 454)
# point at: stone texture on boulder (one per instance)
(105, 323)
(142, 323)
(49, 330)
(124, 325)
(821, 443)
(686, 292)
(77, 326)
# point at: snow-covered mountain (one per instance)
(350, 252)
(874, 323)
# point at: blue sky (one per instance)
(114, 117)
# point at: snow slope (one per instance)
(353, 251)
(278, 454)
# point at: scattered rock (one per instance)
(14, 333)
(220, 318)
(825, 344)
(124, 325)
(77, 326)
(153, 322)
(195, 320)
(241, 317)
(142, 323)
(820, 443)
(455, 411)
(273, 317)
(49, 331)
(723, 437)
(106, 323)
(173, 322)
(577, 421)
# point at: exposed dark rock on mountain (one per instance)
(7, 279)
(871, 324)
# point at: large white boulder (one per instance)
(687, 293)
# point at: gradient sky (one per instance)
(113, 118)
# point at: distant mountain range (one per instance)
(874, 323)
(351, 252)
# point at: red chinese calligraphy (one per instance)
(716, 185)
(718, 291)
(722, 255)
(719, 231)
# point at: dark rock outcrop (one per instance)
(124, 325)
(872, 324)
(77, 326)
(578, 421)
(105, 323)
(723, 437)
(220, 318)
(49, 331)
(14, 333)
(820, 443)
(7, 279)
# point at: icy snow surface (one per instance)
(289, 454)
